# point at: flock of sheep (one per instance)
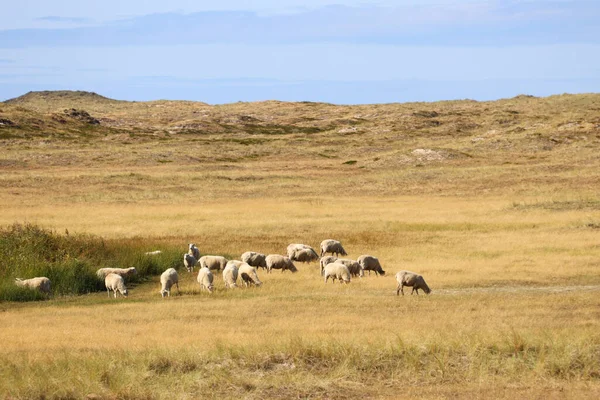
(246, 269)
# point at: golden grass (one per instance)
(504, 228)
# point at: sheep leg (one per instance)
(402, 289)
(177, 284)
(398, 291)
(108, 292)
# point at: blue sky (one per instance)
(339, 51)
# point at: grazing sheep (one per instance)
(40, 283)
(189, 261)
(230, 275)
(335, 271)
(333, 247)
(116, 283)
(275, 261)
(326, 260)
(153, 253)
(194, 251)
(407, 278)
(167, 280)
(296, 246)
(248, 275)
(205, 279)
(353, 266)
(124, 272)
(301, 252)
(370, 263)
(213, 262)
(255, 259)
(305, 255)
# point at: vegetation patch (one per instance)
(69, 261)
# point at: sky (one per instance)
(337, 51)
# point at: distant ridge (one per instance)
(59, 95)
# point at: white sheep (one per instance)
(326, 260)
(124, 272)
(301, 252)
(370, 263)
(205, 279)
(248, 275)
(116, 283)
(305, 255)
(255, 259)
(230, 275)
(153, 253)
(276, 261)
(194, 251)
(167, 280)
(189, 261)
(335, 271)
(353, 266)
(213, 262)
(407, 278)
(295, 246)
(40, 283)
(333, 247)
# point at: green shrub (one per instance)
(71, 261)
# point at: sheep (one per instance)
(167, 280)
(194, 251)
(296, 246)
(407, 278)
(213, 262)
(370, 263)
(153, 253)
(301, 252)
(353, 266)
(205, 279)
(338, 271)
(40, 283)
(116, 283)
(124, 272)
(248, 275)
(326, 260)
(333, 247)
(230, 275)
(305, 255)
(189, 261)
(254, 259)
(275, 261)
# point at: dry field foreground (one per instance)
(495, 203)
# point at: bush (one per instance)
(70, 261)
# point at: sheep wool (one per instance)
(276, 261)
(332, 246)
(205, 279)
(213, 262)
(167, 280)
(255, 259)
(335, 271)
(39, 283)
(248, 275)
(410, 279)
(116, 283)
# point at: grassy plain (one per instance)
(495, 203)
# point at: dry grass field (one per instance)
(497, 204)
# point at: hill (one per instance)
(450, 147)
